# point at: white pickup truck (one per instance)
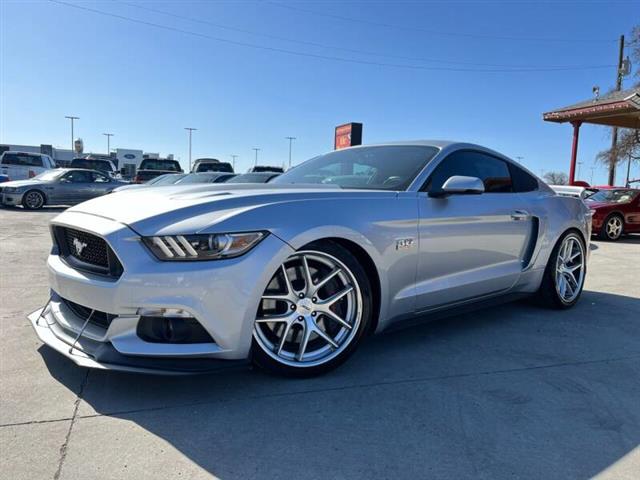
(25, 165)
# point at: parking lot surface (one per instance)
(515, 391)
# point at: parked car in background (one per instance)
(265, 168)
(62, 186)
(22, 165)
(4, 178)
(154, 167)
(205, 177)
(615, 211)
(573, 191)
(100, 164)
(166, 179)
(211, 165)
(258, 177)
(294, 276)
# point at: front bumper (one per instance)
(222, 295)
(11, 199)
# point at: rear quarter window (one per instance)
(522, 181)
(22, 160)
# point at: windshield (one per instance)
(49, 175)
(168, 179)
(154, 164)
(215, 167)
(613, 196)
(253, 178)
(198, 178)
(101, 165)
(374, 168)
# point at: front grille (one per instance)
(87, 247)
(101, 319)
(85, 251)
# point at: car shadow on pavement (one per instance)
(515, 390)
(44, 209)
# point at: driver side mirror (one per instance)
(64, 180)
(460, 185)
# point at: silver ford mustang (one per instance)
(293, 275)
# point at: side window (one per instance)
(99, 178)
(522, 181)
(78, 176)
(493, 171)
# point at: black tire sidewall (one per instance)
(548, 292)
(269, 364)
(603, 230)
(24, 200)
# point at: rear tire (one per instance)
(319, 322)
(612, 228)
(33, 200)
(565, 273)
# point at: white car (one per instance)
(25, 165)
(572, 191)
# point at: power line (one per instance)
(324, 57)
(435, 32)
(341, 48)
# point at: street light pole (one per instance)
(72, 118)
(108, 135)
(255, 149)
(233, 160)
(190, 132)
(291, 139)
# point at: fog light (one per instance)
(170, 325)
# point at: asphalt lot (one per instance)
(512, 392)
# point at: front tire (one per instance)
(565, 273)
(33, 200)
(612, 228)
(314, 312)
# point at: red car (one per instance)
(615, 211)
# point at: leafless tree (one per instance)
(556, 178)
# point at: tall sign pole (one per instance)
(291, 139)
(72, 118)
(190, 132)
(614, 133)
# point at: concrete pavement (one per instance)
(516, 391)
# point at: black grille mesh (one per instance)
(99, 318)
(87, 247)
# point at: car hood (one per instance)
(599, 205)
(197, 208)
(21, 183)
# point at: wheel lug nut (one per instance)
(314, 299)
(300, 319)
(313, 314)
(301, 295)
(293, 307)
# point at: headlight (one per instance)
(202, 247)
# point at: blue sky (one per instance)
(145, 83)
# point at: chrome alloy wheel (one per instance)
(34, 200)
(570, 269)
(614, 227)
(310, 311)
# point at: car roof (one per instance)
(20, 152)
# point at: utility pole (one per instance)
(614, 134)
(255, 149)
(190, 132)
(291, 139)
(72, 119)
(233, 160)
(626, 183)
(591, 180)
(578, 173)
(108, 135)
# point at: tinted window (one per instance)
(99, 178)
(101, 165)
(79, 176)
(214, 167)
(522, 181)
(613, 196)
(380, 168)
(153, 164)
(22, 159)
(493, 172)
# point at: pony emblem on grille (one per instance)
(79, 246)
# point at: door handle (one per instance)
(519, 215)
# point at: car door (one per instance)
(632, 215)
(77, 186)
(100, 184)
(470, 245)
